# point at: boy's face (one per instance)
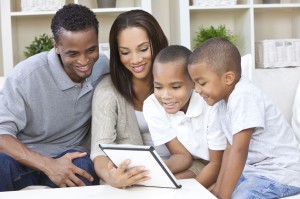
(208, 84)
(172, 87)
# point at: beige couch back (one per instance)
(280, 85)
(1, 82)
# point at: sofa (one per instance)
(1, 82)
(279, 84)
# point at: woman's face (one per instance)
(135, 51)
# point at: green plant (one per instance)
(206, 33)
(39, 44)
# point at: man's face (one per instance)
(78, 51)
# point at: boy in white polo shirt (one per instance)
(180, 118)
(262, 157)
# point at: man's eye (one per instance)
(72, 54)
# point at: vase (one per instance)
(106, 3)
(271, 1)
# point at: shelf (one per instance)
(95, 10)
(196, 8)
(19, 28)
(272, 6)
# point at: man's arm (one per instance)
(209, 173)
(119, 177)
(235, 163)
(61, 171)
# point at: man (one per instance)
(45, 107)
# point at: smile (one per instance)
(169, 105)
(83, 68)
(138, 69)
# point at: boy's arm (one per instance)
(209, 173)
(235, 163)
(180, 159)
(217, 186)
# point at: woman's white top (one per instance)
(146, 136)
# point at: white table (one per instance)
(190, 189)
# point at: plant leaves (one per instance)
(40, 43)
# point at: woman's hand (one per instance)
(124, 176)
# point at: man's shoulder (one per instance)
(33, 64)
(100, 68)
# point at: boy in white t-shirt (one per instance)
(262, 157)
(180, 118)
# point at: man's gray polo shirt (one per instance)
(43, 108)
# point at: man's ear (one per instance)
(229, 78)
(55, 45)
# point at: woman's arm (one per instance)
(121, 176)
(209, 174)
(105, 110)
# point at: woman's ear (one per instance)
(229, 78)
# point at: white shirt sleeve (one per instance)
(157, 119)
(216, 139)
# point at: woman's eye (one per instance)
(124, 53)
(144, 49)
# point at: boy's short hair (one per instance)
(174, 53)
(220, 55)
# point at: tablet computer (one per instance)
(145, 156)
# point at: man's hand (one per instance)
(64, 173)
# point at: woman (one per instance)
(135, 39)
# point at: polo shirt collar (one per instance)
(195, 107)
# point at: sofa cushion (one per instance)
(296, 114)
(1, 82)
(280, 85)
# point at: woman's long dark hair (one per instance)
(120, 76)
